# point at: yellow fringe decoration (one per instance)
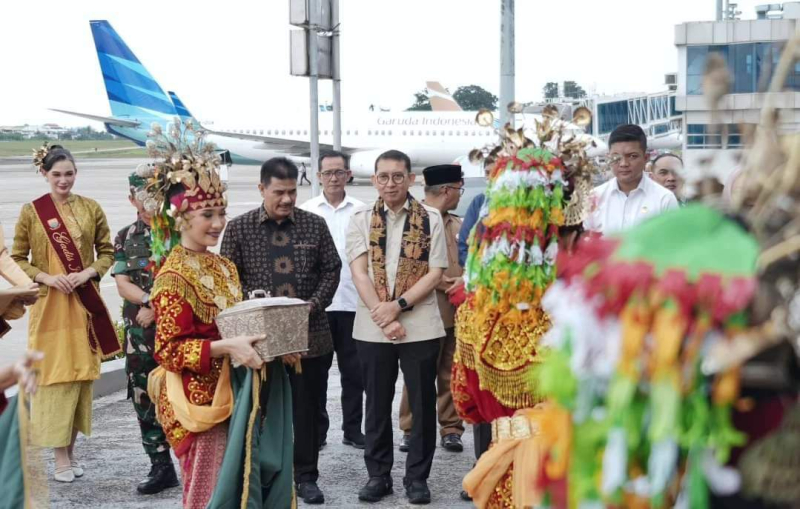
(203, 307)
(257, 379)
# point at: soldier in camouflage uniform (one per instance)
(134, 279)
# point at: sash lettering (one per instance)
(101, 328)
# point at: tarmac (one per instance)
(115, 462)
(113, 457)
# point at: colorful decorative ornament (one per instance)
(632, 318)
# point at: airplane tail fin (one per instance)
(132, 91)
(181, 108)
(440, 98)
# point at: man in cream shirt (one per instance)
(631, 196)
(397, 254)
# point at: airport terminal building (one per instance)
(751, 49)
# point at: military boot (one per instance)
(162, 476)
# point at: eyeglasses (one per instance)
(397, 178)
(339, 174)
(459, 189)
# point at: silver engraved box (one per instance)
(283, 320)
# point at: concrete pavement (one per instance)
(115, 462)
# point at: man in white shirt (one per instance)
(629, 197)
(336, 207)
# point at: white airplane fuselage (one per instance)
(428, 138)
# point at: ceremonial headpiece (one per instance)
(39, 154)
(651, 328)
(183, 178)
(538, 183)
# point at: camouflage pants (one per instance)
(139, 363)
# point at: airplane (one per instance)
(433, 137)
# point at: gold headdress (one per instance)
(183, 178)
(39, 154)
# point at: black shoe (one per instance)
(465, 496)
(452, 442)
(323, 443)
(356, 441)
(375, 489)
(161, 477)
(417, 492)
(310, 493)
(405, 443)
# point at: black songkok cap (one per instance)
(442, 174)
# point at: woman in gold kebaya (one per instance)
(62, 242)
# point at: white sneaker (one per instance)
(76, 468)
(64, 474)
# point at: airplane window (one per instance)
(419, 133)
(442, 133)
(326, 132)
(356, 133)
(383, 133)
(369, 133)
(404, 133)
(348, 132)
(291, 133)
(283, 132)
(427, 133)
(458, 133)
(390, 133)
(305, 132)
(261, 132)
(449, 133)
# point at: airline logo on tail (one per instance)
(182, 110)
(440, 98)
(132, 90)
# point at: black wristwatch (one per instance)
(146, 300)
(404, 305)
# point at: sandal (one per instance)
(76, 468)
(64, 474)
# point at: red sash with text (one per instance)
(101, 328)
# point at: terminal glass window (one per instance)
(610, 115)
(703, 136)
(660, 129)
(751, 65)
(735, 139)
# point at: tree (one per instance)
(551, 90)
(473, 98)
(573, 90)
(422, 102)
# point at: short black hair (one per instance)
(279, 168)
(394, 155)
(333, 154)
(628, 132)
(667, 154)
(56, 153)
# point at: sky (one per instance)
(229, 61)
